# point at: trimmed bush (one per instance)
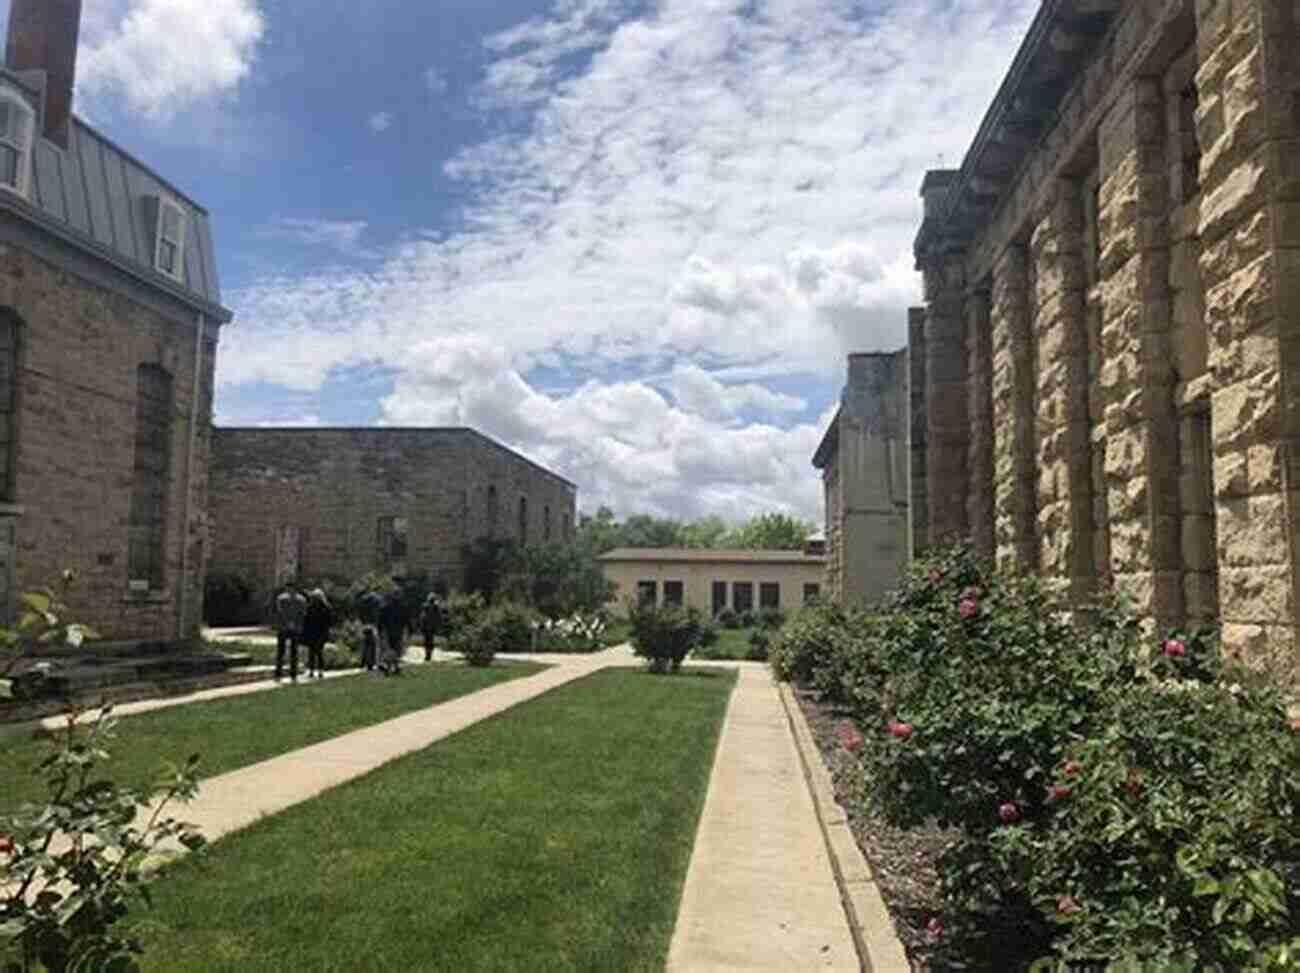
(664, 634)
(728, 619)
(505, 627)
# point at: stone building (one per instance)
(713, 580)
(340, 503)
(1112, 321)
(865, 458)
(109, 317)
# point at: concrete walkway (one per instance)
(760, 893)
(236, 799)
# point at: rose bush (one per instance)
(1124, 800)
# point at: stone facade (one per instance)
(341, 503)
(108, 337)
(864, 459)
(1113, 314)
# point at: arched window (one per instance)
(153, 420)
(546, 522)
(492, 511)
(523, 520)
(16, 122)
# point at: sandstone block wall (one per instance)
(325, 491)
(1113, 315)
(68, 502)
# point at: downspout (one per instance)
(196, 385)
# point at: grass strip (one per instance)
(240, 730)
(554, 836)
(733, 643)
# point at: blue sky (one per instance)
(632, 238)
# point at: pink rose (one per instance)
(968, 608)
(1174, 648)
(935, 926)
(1057, 792)
(1070, 768)
(1067, 904)
(899, 729)
(1009, 812)
(1134, 783)
(6, 844)
(849, 737)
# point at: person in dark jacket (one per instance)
(432, 618)
(316, 625)
(369, 607)
(392, 629)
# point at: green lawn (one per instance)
(241, 730)
(554, 836)
(733, 643)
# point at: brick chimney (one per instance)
(43, 37)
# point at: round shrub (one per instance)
(665, 634)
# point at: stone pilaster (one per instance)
(1136, 376)
(979, 408)
(1064, 459)
(1249, 133)
(946, 401)
(918, 438)
(1015, 469)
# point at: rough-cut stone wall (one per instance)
(834, 504)
(79, 348)
(947, 402)
(334, 485)
(1142, 245)
(1249, 230)
(1064, 456)
(1015, 440)
(979, 409)
(917, 434)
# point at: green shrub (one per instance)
(746, 619)
(728, 619)
(505, 627)
(1119, 798)
(664, 634)
(771, 618)
(759, 642)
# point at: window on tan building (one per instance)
(742, 595)
(673, 593)
(148, 517)
(769, 594)
(647, 592)
(719, 597)
(811, 592)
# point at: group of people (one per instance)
(306, 619)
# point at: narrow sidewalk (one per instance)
(760, 893)
(237, 798)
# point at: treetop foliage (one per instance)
(601, 532)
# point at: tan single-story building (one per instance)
(711, 580)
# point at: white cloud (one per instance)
(341, 235)
(435, 81)
(719, 187)
(697, 391)
(161, 56)
(380, 121)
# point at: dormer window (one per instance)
(169, 249)
(16, 118)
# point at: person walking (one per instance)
(432, 616)
(287, 615)
(369, 607)
(392, 629)
(316, 624)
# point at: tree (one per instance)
(774, 531)
(599, 532)
(557, 580)
(708, 532)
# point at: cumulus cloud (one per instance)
(160, 56)
(380, 121)
(722, 183)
